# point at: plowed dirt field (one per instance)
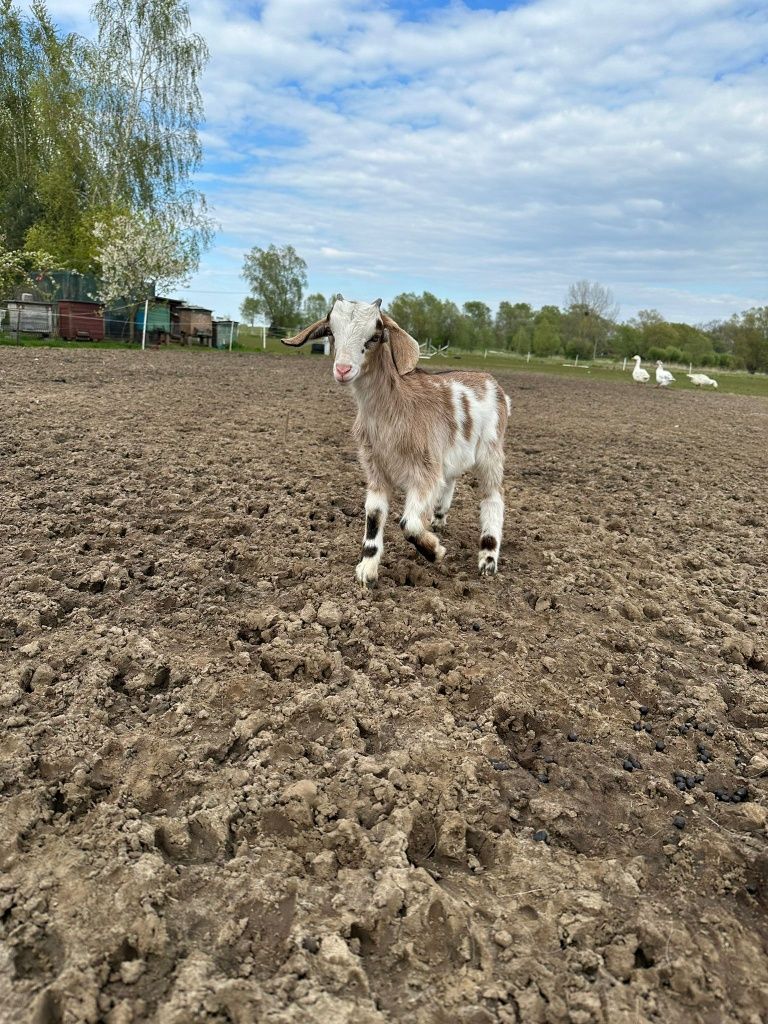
(235, 788)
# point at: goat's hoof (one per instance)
(429, 548)
(366, 575)
(487, 564)
(439, 522)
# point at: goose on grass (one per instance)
(701, 380)
(639, 374)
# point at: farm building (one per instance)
(26, 316)
(224, 332)
(195, 324)
(83, 321)
(158, 322)
(63, 302)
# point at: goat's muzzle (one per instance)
(343, 372)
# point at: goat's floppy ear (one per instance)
(319, 329)
(405, 349)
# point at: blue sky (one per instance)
(488, 150)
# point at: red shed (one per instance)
(81, 321)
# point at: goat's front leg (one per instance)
(376, 507)
(417, 514)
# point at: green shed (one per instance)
(158, 321)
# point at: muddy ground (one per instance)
(237, 789)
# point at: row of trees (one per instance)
(99, 140)
(587, 326)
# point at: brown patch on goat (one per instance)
(424, 547)
(448, 412)
(475, 380)
(466, 426)
(502, 410)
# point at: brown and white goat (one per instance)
(416, 431)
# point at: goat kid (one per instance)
(416, 432)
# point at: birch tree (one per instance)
(45, 164)
(91, 130)
(145, 70)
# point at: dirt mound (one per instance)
(235, 788)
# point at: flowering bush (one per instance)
(18, 266)
(138, 254)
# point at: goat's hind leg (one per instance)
(416, 514)
(376, 507)
(490, 472)
(443, 504)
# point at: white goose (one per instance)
(701, 380)
(663, 377)
(639, 374)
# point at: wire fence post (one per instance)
(231, 332)
(264, 337)
(144, 326)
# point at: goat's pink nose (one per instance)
(342, 369)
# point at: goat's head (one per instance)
(357, 329)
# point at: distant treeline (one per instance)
(579, 329)
(587, 326)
